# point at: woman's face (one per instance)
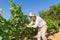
(32, 17)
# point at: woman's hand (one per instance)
(29, 26)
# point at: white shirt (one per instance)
(38, 23)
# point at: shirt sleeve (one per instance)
(36, 23)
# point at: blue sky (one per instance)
(27, 6)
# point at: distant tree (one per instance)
(0, 10)
(53, 14)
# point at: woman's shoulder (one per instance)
(38, 17)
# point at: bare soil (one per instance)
(56, 36)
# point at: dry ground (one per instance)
(55, 36)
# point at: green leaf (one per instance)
(0, 37)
